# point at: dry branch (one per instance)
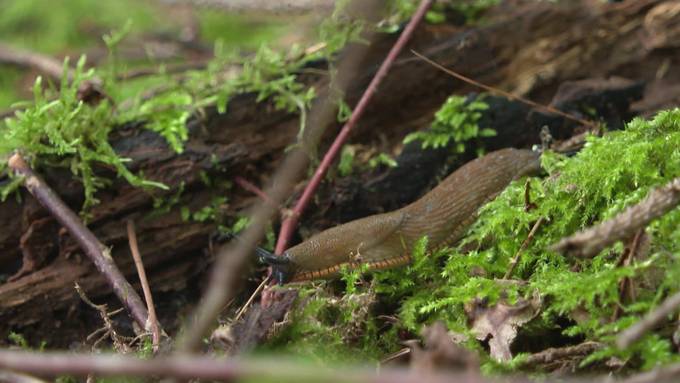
(552, 354)
(591, 241)
(669, 374)
(651, 320)
(42, 63)
(287, 6)
(186, 367)
(95, 250)
(14, 377)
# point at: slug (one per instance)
(386, 240)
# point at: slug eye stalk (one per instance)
(282, 269)
(281, 265)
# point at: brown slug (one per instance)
(386, 240)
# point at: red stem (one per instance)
(249, 186)
(291, 221)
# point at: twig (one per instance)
(670, 373)
(552, 354)
(278, 7)
(626, 286)
(109, 330)
(515, 258)
(247, 185)
(250, 300)
(590, 242)
(99, 254)
(153, 319)
(205, 368)
(291, 221)
(545, 108)
(651, 320)
(15, 377)
(42, 63)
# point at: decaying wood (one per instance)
(96, 251)
(529, 49)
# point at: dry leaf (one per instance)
(498, 324)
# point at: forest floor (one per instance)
(178, 118)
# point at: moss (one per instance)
(609, 174)
(57, 129)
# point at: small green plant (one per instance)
(211, 213)
(382, 159)
(20, 341)
(401, 10)
(457, 122)
(346, 164)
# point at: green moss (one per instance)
(67, 132)
(609, 174)
(57, 129)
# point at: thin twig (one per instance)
(670, 373)
(515, 258)
(42, 63)
(289, 224)
(651, 320)
(250, 300)
(626, 286)
(99, 254)
(277, 7)
(15, 377)
(247, 185)
(590, 242)
(153, 319)
(553, 354)
(511, 96)
(109, 330)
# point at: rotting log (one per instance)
(531, 49)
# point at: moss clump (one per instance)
(609, 174)
(58, 129)
(67, 132)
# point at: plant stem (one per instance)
(291, 221)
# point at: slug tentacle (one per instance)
(386, 240)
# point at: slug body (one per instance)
(386, 240)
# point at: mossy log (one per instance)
(529, 48)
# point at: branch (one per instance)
(670, 373)
(651, 320)
(590, 242)
(14, 377)
(98, 253)
(42, 63)
(278, 7)
(289, 224)
(553, 354)
(205, 368)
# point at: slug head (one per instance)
(282, 268)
